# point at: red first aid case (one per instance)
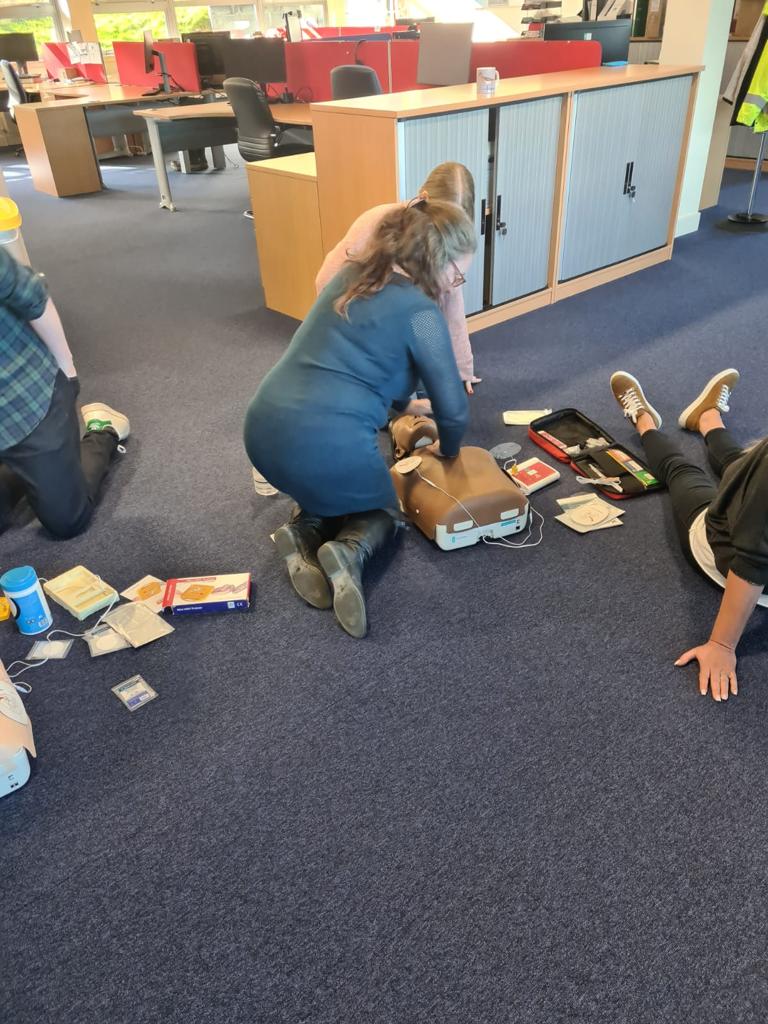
(570, 436)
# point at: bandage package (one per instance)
(137, 624)
(196, 594)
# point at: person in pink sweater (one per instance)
(450, 182)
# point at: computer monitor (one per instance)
(261, 60)
(210, 56)
(149, 56)
(444, 54)
(613, 36)
(18, 47)
(149, 66)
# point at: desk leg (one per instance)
(218, 157)
(164, 188)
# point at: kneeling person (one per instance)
(42, 454)
(312, 429)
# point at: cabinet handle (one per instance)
(483, 215)
(630, 189)
(501, 226)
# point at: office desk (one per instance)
(57, 132)
(283, 113)
(207, 122)
(286, 220)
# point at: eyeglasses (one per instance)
(459, 279)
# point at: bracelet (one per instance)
(719, 644)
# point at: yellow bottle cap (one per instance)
(10, 218)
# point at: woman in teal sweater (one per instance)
(312, 428)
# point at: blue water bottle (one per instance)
(28, 604)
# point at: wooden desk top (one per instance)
(418, 102)
(283, 113)
(98, 95)
(301, 165)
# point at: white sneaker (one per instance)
(97, 416)
(629, 394)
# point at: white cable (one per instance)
(27, 665)
(502, 542)
(80, 636)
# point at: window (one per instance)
(273, 13)
(239, 19)
(35, 18)
(126, 25)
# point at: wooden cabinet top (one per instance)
(444, 99)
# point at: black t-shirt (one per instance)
(737, 519)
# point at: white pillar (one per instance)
(696, 32)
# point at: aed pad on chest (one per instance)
(457, 502)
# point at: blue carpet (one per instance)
(505, 805)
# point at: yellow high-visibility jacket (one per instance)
(753, 112)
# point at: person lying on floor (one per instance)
(312, 428)
(448, 182)
(42, 455)
(723, 529)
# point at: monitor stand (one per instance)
(166, 86)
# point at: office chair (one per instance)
(258, 137)
(16, 92)
(352, 80)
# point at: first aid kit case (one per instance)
(571, 437)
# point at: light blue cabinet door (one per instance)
(526, 166)
(656, 158)
(624, 156)
(425, 142)
(597, 211)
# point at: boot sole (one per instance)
(348, 599)
(307, 580)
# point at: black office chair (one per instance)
(352, 80)
(258, 137)
(16, 92)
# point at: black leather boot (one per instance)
(344, 559)
(298, 542)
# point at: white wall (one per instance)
(696, 32)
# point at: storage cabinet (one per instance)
(512, 154)
(579, 171)
(527, 137)
(623, 161)
(424, 142)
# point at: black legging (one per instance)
(690, 487)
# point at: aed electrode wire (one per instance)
(78, 636)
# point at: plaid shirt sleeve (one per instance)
(21, 289)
